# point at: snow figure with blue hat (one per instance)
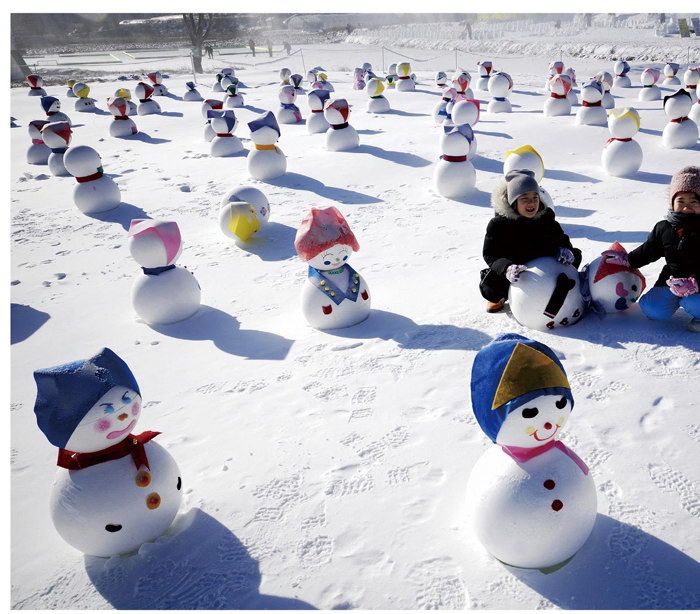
(225, 143)
(500, 86)
(288, 113)
(531, 500)
(316, 123)
(296, 80)
(52, 108)
(334, 294)
(114, 490)
(440, 113)
(266, 161)
(591, 112)
(192, 94)
(621, 68)
(210, 104)
(454, 175)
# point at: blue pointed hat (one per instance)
(67, 392)
(47, 102)
(266, 120)
(213, 113)
(510, 371)
(190, 85)
(322, 95)
(464, 129)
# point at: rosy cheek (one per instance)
(135, 409)
(102, 425)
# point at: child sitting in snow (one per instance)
(677, 239)
(523, 228)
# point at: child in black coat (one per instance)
(522, 229)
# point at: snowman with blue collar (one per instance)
(532, 501)
(114, 490)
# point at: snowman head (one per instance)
(287, 94)
(211, 104)
(605, 79)
(154, 243)
(285, 73)
(461, 81)
(403, 69)
(325, 240)
(500, 84)
(123, 92)
(571, 73)
(50, 104)
(671, 69)
(82, 161)
(296, 80)
(143, 91)
(57, 135)
(621, 68)
(649, 77)
(556, 68)
(485, 68)
(265, 130)
(87, 405)
(223, 122)
(228, 71)
(317, 98)
(337, 111)
(155, 77)
(592, 91)
(456, 140)
(441, 78)
(375, 87)
(117, 106)
(35, 81)
(521, 396)
(226, 81)
(244, 211)
(692, 75)
(359, 74)
(678, 104)
(34, 128)
(366, 66)
(623, 123)
(81, 90)
(558, 85)
(392, 69)
(524, 158)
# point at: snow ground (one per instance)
(328, 470)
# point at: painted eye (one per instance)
(113, 528)
(103, 425)
(345, 257)
(530, 412)
(108, 408)
(179, 483)
(561, 403)
(634, 287)
(326, 262)
(126, 398)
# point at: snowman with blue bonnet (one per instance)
(114, 490)
(532, 501)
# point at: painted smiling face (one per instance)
(535, 422)
(108, 421)
(331, 258)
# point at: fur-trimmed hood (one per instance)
(499, 202)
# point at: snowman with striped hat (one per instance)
(670, 71)
(225, 143)
(460, 82)
(192, 94)
(84, 103)
(405, 83)
(52, 108)
(650, 91)
(266, 161)
(57, 135)
(621, 68)
(341, 136)
(122, 126)
(591, 111)
(531, 501)
(557, 103)
(681, 132)
(36, 85)
(622, 156)
(147, 106)
(377, 103)
(156, 79)
(485, 68)
(210, 104)
(38, 152)
(316, 123)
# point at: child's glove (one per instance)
(682, 286)
(513, 272)
(613, 257)
(565, 256)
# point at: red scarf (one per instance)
(557, 96)
(224, 134)
(522, 455)
(616, 139)
(592, 104)
(447, 158)
(92, 177)
(133, 445)
(679, 120)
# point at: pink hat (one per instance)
(685, 180)
(321, 229)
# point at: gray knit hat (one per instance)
(519, 182)
(685, 180)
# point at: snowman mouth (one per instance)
(115, 434)
(545, 438)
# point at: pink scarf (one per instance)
(522, 455)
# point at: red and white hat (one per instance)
(321, 229)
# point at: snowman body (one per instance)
(148, 107)
(454, 175)
(591, 112)
(342, 136)
(244, 212)
(500, 86)
(622, 156)
(38, 152)
(266, 161)
(288, 113)
(557, 103)
(95, 192)
(234, 101)
(681, 132)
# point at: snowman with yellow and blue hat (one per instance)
(532, 501)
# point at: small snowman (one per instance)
(233, 99)
(547, 295)
(557, 103)
(192, 94)
(681, 132)
(52, 108)
(691, 77)
(342, 136)
(122, 126)
(114, 490)
(648, 79)
(531, 500)
(296, 80)
(570, 75)
(621, 68)
(311, 75)
(95, 192)
(606, 80)
(244, 212)
(500, 87)
(316, 123)
(591, 112)
(466, 113)
(210, 104)
(156, 79)
(670, 72)
(391, 76)
(266, 161)
(217, 84)
(358, 79)
(38, 152)
(225, 143)
(377, 103)
(69, 92)
(285, 73)
(288, 113)
(622, 155)
(323, 82)
(610, 285)
(36, 85)
(404, 83)
(84, 103)
(449, 95)
(57, 135)
(125, 93)
(334, 294)
(147, 106)
(527, 158)
(461, 82)
(441, 79)
(454, 175)
(165, 293)
(485, 67)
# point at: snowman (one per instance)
(606, 80)
(555, 68)
(557, 103)
(84, 103)
(192, 94)
(695, 112)
(225, 143)
(485, 67)
(449, 94)
(210, 104)
(500, 86)
(359, 79)
(404, 83)
(52, 108)
(342, 136)
(288, 113)
(609, 284)
(670, 78)
(621, 68)
(466, 113)
(377, 101)
(123, 125)
(217, 84)
(57, 135)
(454, 175)
(38, 152)
(391, 76)
(570, 76)
(36, 85)
(156, 79)
(527, 158)
(244, 212)
(316, 123)
(285, 73)
(546, 295)
(69, 92)
(334, 294)
(233, 99)
(95, 192)
(622, 155)
(324, 83)
(125, 93)
(441, 79)
(531, 500)
(165, 293)
(114, 490)
(650, 90)
(591, 112)
(681, 132)
(461, 83)
(266, 161)
(147, 106)
(691, 78)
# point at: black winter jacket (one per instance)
(679, 246)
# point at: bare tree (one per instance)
(198, 26)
